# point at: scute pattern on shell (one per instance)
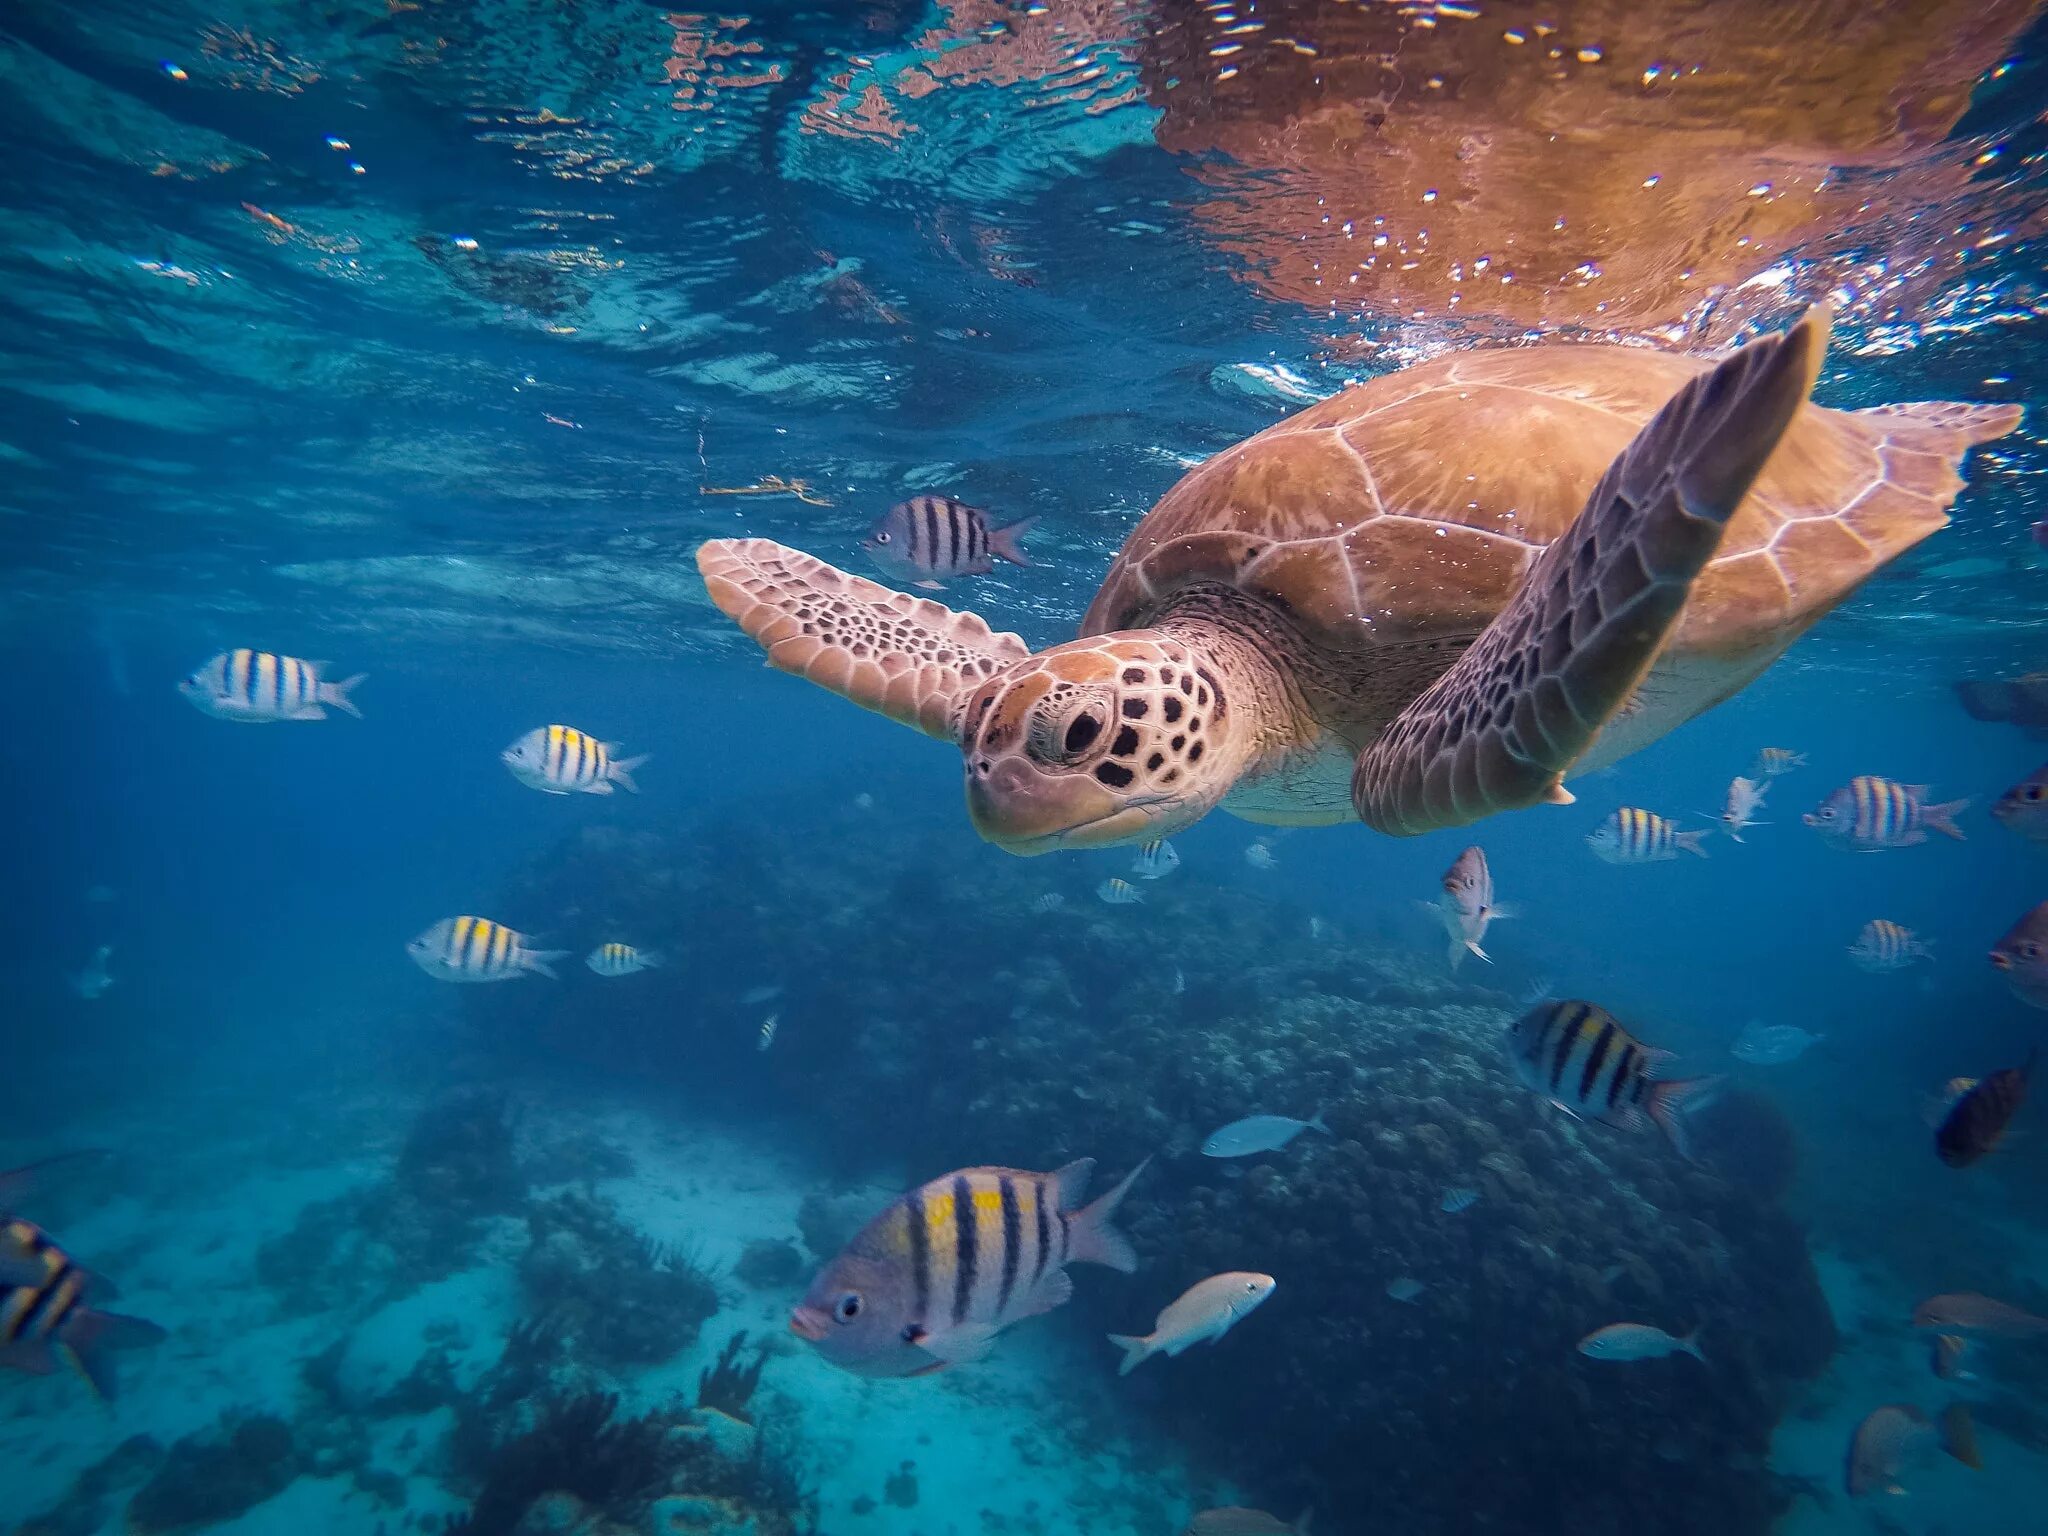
(1411, 506)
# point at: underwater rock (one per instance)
(83, 1510)
(828, 1223)
(619, 1299)
(771, 1263)
(216, 1475)
(459, 1156)
(689, 1514)
(1181, 1015)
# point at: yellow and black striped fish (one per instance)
(621, 959)
(1868, 814)
(260, 686)
(935, 536)
(1580, 1058)
(1635, 836)
(477, 949)
(44, 1316)
(1884, 945)
(561, 760)
(932, 1280)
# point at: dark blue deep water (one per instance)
(430, 339)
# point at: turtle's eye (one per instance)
(1081, 733)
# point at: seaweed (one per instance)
(728, 1384)
(617, 1297)
(459, 1156)
(575, 1446)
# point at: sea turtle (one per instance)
(1418, 602)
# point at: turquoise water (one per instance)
(432, 340)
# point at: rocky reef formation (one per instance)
(991, 1031)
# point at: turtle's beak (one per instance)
(1025, 810)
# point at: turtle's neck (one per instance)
(1251, 654)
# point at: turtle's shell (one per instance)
(1408, 509)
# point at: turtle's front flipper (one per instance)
(1499, 729)
(906, 657)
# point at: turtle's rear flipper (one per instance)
(1499, 729)
(906, 657)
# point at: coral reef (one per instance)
(459, 1156)
(581, 1468)
(618, 1299)
(216, 1475)
(1118, 1033)
(769, 1264)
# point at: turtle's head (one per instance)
(1113, 739)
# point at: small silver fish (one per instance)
(753, 997)
(1405, 1289)
(261, 687)
(616, 959)
(1259, 1133)
(1772, 1045)
(1635, 836)
(1202, 1313)
(1051, 901)
(1870, 814)
(931, 537)
(768, 1027)
(1467, 905)
(1156, 860)
(1118, 892)
(863, 801)
(1458, 1198)
(1745, 798)
(93, 982)
(1260, 855)
(1638, 1341)
(1773, 761)
(1317, 928)
(1180, 981)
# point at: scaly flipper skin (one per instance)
(909, 658)
(1498, 730)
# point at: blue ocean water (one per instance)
(431, 340)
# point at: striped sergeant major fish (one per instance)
(932, 1280)
(621, 959)
(477, 949)
(930, 537)
(1869, 814)
(1884, 945)
(561, 760)
(1579, 1057)
(1980, 1116)
(260, 686)
(1635, 836)
(1773, 761)
(45, 1319)
(1118, 892)
(1156, 860)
